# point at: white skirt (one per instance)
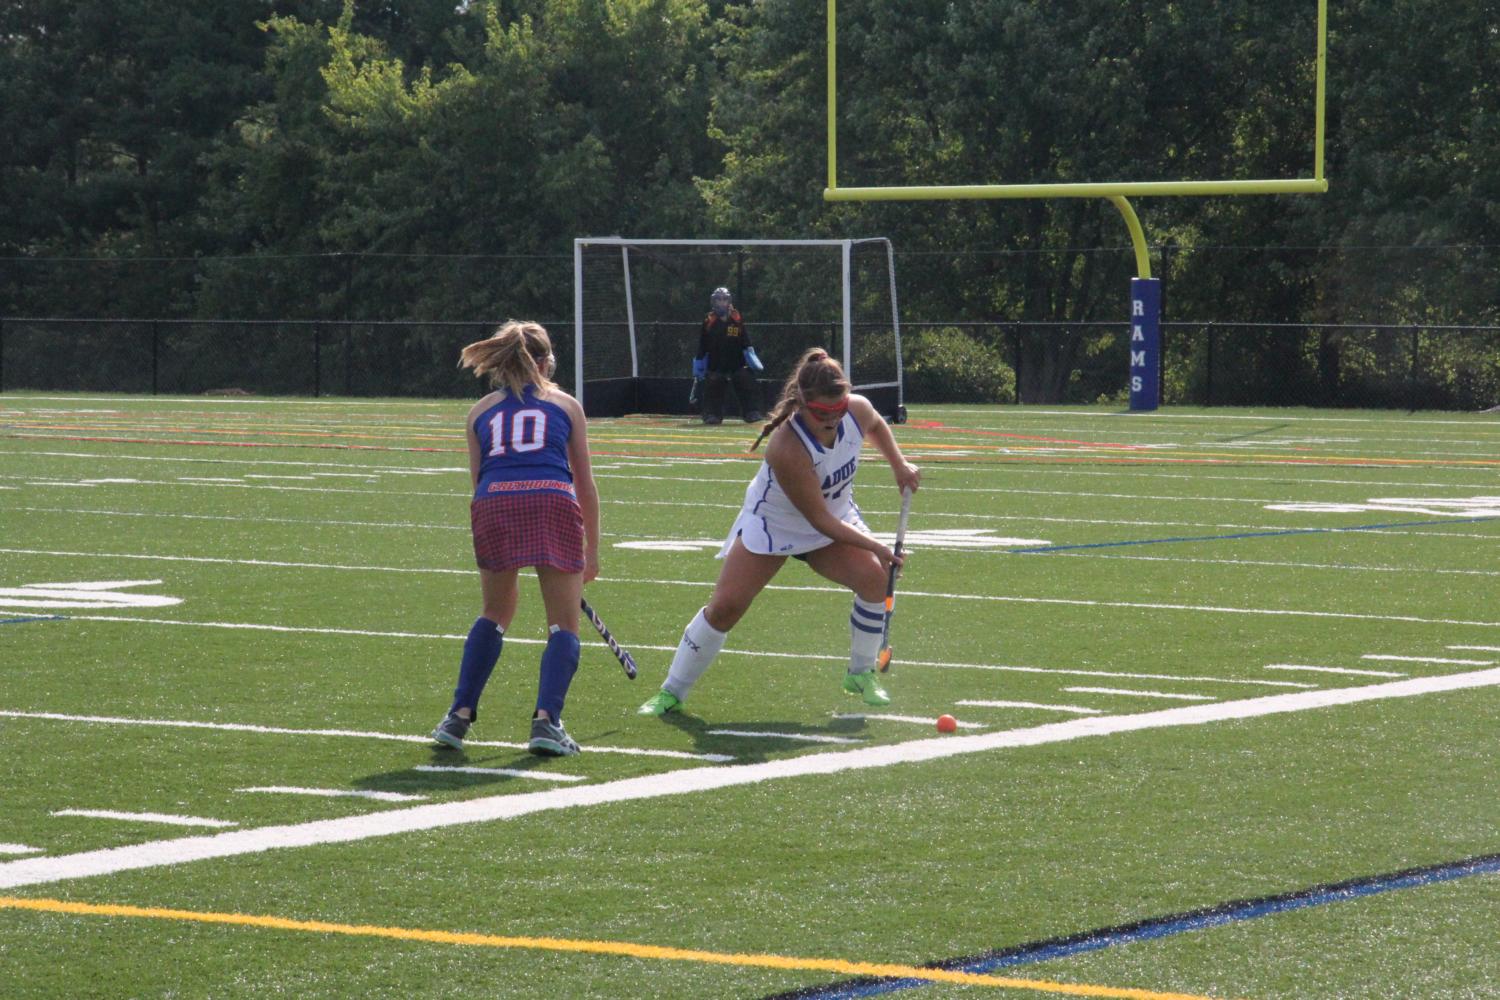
(787, 536)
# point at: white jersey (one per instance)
(770, 525)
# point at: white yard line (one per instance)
(1428, 659)
(764, 735)
(35, 871)
(919, 719)
(1342, 567)
(503, 772)
(838, 657)
(1332, 670)
(19, 849)
(335, 793)
(1479, 649)
(1129, 693)
(1129, 605)
(369, 470)
(240, 518)
(221, 561)
(987, 703)
(144, 817)
(239, 727)
(1024, 518)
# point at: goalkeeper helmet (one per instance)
(719, 300)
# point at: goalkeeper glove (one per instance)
(752, 360)
(700, 367)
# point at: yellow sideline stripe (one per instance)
(624, 948)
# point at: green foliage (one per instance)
(946, 364)
(433, 159)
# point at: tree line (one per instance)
(318, 159)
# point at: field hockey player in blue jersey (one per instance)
(801, 504)
(534, 504)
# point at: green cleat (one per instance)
(867, 687)
(660, 703)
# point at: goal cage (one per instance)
(639, 305)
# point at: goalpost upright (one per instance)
(1145, 290)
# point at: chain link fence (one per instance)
(1206, 363)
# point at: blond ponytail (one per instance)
(515, 356)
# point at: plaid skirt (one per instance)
(540, 528)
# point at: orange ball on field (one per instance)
(946, 723)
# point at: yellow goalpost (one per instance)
(1116, 192)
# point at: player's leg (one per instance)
(743, 576)
(714, 387)
(861, 572)
(561, 591)
(749, 395)
(481, 652)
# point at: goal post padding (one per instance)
(639, 305)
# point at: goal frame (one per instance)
(846, 248)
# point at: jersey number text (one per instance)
(528, 431)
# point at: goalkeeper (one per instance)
(724, 356)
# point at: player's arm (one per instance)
(583, 484)
(793, 470)
(878, 433)
(747, 349)
(475, 458)
(700, 360)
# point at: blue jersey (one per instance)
(523, 446)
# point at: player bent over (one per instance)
(534, 504)
(801, 503)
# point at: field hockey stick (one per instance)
(626, 660)
(884, 659)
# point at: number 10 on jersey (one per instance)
(527, 432)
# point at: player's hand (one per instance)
(908, 477)
(887, 557)
(590, 566)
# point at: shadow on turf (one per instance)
(754, 750)
(453, 781)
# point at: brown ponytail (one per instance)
(816, 375)
(515, 356)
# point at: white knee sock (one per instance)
(866, 626)
(700, 643)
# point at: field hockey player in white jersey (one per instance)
(801, 504)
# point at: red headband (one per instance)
(826, 410)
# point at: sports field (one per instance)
(1227, 681)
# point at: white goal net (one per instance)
(639, 305)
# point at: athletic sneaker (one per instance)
(549, 739)
(754, 417)
(660, 703)
(867, 686)
(451, 731)
(712, 419)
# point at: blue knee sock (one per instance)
(481, 652)
(559, 662)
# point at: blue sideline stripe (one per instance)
(35, 618)
(1159, 927)
(1252, 534)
